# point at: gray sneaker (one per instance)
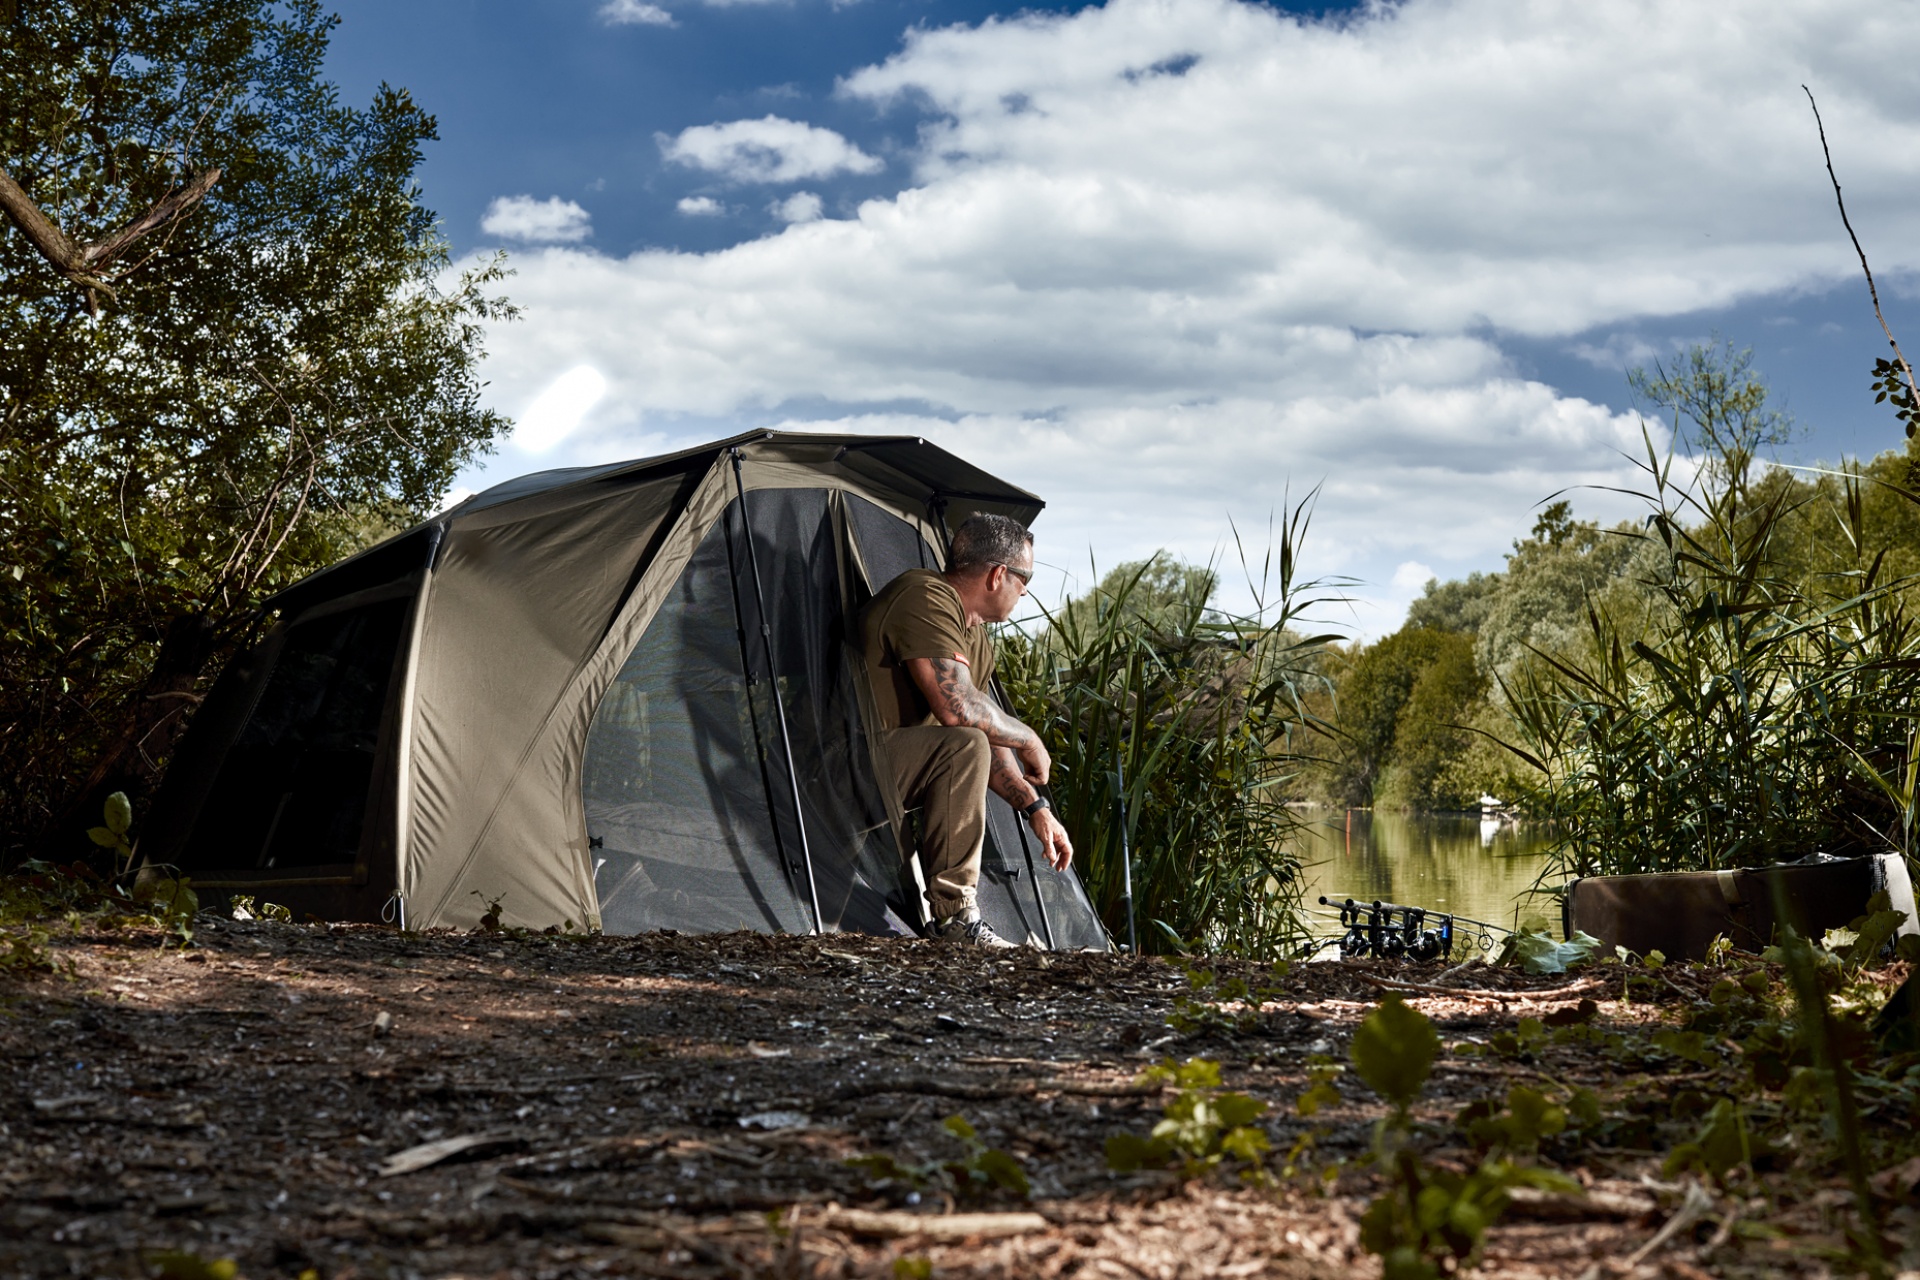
(970, 931)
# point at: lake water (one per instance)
(1445, 862)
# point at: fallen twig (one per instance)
(946, 1227)
(432, 1153)
(1527, 1202)
(636, 1147)
(1551, 993)
(924, 1084)
(988, 1092)
(1483, 1069)
(1696, 1206)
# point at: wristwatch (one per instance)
(1039, 804)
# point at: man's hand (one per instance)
(1035, 763)
(1053, 839)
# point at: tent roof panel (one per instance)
(928, 465)
(899, 461)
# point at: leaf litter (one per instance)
(350, 1102)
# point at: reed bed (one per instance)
(1188, 721)
(1738, 712)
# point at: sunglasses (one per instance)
(1025, 575)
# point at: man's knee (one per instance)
(967, 751)
(940, 756)
(970, 744)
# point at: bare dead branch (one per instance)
(235, 569)
(1872, 291)
(293, 520)
(41, 232)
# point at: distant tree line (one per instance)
(1422, 718)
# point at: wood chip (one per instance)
(1587, 987)
(945, 1227)
(1549, 1206)
(431, 1153)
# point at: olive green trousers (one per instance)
(943, 773)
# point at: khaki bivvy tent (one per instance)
(555, 696)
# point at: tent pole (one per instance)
(773, 683)
(1126, 847)
(753, 712)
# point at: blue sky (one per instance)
(548, 97)
(1167, 262)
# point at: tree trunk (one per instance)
(133, 758)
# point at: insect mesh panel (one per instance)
(671, 777)
(685, 776)
(292, 789)
(854, 862)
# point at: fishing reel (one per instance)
(1392, 932)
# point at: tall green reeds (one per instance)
(1738, 712)
(1191, 717)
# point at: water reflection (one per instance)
(1457, 863)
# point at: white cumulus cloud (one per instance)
(801, 206)
(700, 207)
(1163, 261)
(634, 13)
(1411, 576)
(770, 149)
(550, 221)
(557, 411)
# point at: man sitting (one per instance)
(929, 657)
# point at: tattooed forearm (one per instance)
(949, 689)
(1008, 781)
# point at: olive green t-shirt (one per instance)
(917, 615)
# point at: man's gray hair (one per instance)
(986, 540)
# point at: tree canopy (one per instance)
(251, 359)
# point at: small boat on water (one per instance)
(1493, 813)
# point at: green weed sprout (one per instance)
(1202, 1128)
(1429, 1221)
(1200, 1010)
(982, 1167)
(118, 817)
(978, 1171)
(180, 1265)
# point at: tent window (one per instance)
(889, 546)
(292, 790)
